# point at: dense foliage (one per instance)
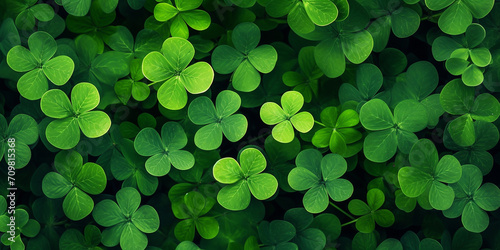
(250, 124)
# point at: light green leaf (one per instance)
(77, 204)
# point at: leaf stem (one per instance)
(319, 123)
(342, 210)
(349, 223)
(431, 16)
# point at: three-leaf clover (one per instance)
(246, 60)
(89, 240)
(219, 119)
(320, 176)
(472, 199)
(29, 12)
(428, 173)
(21, 132)
(22, 225)
(487, 137)
(459, 13)
(73, 180)
(338, 133)
(126, 221)
(243, 178)
(287, 118)
(171, 69)
(371, 213)
(458, 99)
(391, 131)
(304, 15)
(191, 210)
(64, 132)
(164, 150)
(40, 65)
(463, 54)
(184, 12)
(369, 80)
(132, 87)
(305, 81)
(277, 234)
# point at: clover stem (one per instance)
(431, 16)
(341, 210)
(319, 123)
(153, 83)
(348, 223)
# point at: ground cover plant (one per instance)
(249, 124)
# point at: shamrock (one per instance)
(64, 132)
(305, 82)
(171, 68)
(369, 80)
(164, 150)
(391, 132)
(304, 15)
(191, 210)
(39, 65)
(427, 172)
(458, 99)
(371, 213)
(21, 132)
(472, 199)
(23, 226)
(459, 13)
(218, 120)
(90, 240)
(73, 180)
(243, 178)
(29, 12)
(126, 221)
(184, 12)
(338, 133)
(277, 234)
(132, 87)
(246, 60)
(320, 176)
(463, 54)
(286, 117)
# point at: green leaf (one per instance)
(485, 108)
(303, 121)
(376, 115)
(413, 181)
(410, 115)
(462, 131)
(302, 179)
(474, 218)
(207, 227)
(91, 179)
(448, 170)
(107, 214)
(316, 199)
(330, 57)
(33, 85)
(146, 219)
(441, 196)
(481, 57)
(76, 7)
(226, 59)
(148, 142)
(486, 197)
(263, 58)
(21, 59)
(42, 46)
(234, 127)
(198, 77)
(131, 238)
(262, 186)
(455, 19)
(63, 134)
(472, 76)
(246, 37)
(283, 132)
(55, 185)
(55, 104)
(77, 204)
(59, 69)
(321, 12)
(246, 78)
(227, 171)
(156, 67)
(234, 197)
(84, 97)
(164, 12)
(405, 22)
(456, 98)
(196, 19)
(129, 200)
(43, 12)
(357, 46)
(172, 94)
(94, 123)
(209, 137)
(271, 113)
(380, 146)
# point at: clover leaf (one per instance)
(128, 166)
(76, 7)
(23, 129)
(164, 150)
(458, 99)
(122, 40)
(458, 14)
(132, 87)
(463, 55)
(487, 137)
(219, 119)
(73, 180)
(71, 117)
(23, 226)
(127, 222)
(171, 69)
(287, 117)
(245, 60)
(277, 234)
(371, 213)
(472, 200)
(191, 211)
(427, 172)
(320, 176)
(339, 134)
(30, 12)
(369, 80)
(305, 82)
(90, 240)
(355, 43)
(243, 178)
(391, 132)
(184, 12)
(308, 235)
(304, 15)
(39, 65)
